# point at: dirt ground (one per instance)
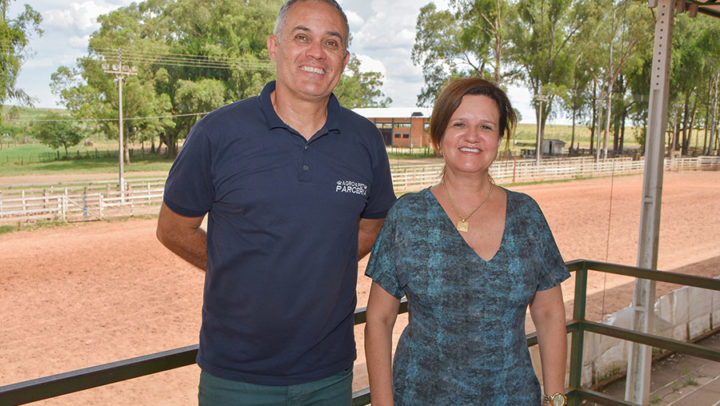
(87, 294)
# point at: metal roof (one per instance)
(394, 112)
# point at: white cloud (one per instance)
(370, 64)
(39, 63)
(77, 16)
(79, 42)
(354, 19)
(383, 36)
(520, 99)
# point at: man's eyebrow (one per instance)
(331, 33)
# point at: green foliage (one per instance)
(543, 38)
(57, 131)
(191, 58)
(358, 89)
(14, 35)
(16, 122)
(437, 50)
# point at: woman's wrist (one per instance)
(555, 399)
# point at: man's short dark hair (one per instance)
(282, 14)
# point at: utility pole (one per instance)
(120, 71)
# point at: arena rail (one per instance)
(74, 381)
(99, 199)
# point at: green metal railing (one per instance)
(74, 381)
(579, 325)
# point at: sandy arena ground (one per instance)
(87, 294)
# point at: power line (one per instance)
(89, 120)
(187, 60)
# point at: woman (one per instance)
(470, 256)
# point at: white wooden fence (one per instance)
(101, 200)
(409, 178)
(74, 202)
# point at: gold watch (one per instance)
(556, 399)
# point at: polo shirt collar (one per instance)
(331, 125)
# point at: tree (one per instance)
(483, 32)
(629, 29)
(191, 58)
(57, 131)
(360, 89)
(14, 35)
(695, 49)
(467, 40)
(542, 38)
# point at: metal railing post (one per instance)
(578, 335)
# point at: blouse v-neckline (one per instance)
(448, 223)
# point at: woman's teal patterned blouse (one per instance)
(465, 342)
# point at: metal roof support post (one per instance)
(637, 388)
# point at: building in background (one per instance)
(405, 127)
(553, 147)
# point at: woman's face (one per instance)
(471, 140)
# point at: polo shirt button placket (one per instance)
(304, 173)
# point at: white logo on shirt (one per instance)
(348, 186)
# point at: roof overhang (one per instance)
(707, 7)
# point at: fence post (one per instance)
(84, 199)
(132, 201)
(24, 203)
(64, 206)
(101, 205)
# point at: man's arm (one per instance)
(367, 233)
(183, 236)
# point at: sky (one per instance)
(383, 36)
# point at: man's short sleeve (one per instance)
(382, 195)
(189, 188)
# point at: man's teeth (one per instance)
(313, 70)
(469, 149)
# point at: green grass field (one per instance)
(525, 134)
(38, 159)
(100, 155)
(21, 155)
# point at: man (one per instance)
(295, 188)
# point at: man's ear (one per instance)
(346, 60)
(272, 46)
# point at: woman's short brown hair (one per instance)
(451, 96)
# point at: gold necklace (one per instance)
(463, 224)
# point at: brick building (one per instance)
(401, 126)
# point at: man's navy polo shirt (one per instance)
(282, 236)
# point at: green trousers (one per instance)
(335, 390)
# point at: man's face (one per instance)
(309, 52)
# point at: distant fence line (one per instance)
(97, 200)
(78, 154)
(407, 178)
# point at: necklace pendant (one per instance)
(463, 226)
